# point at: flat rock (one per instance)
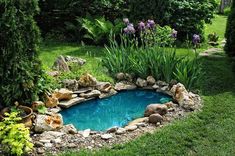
(83, 90)
(125, 86)
(93, 93)
(112, 129)
(106, 95)
(106, 136)
(131, 128)
(121, 131)
(139, 120)
(104, 87)
(72, 102)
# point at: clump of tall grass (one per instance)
(161, 62)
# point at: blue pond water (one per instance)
(118, 110)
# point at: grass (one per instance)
(218, 25)
(51, 50)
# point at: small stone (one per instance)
(86, 133)
(141, 82)
(155, 86)
(151, 80)
(48, 145)
(104, 87)
(106, 136)
(121, 131)
(141, 124)
(40, 151)
(120, 76)
(57, 140)
(112, 129)
(131, 128)
(155, 118)
(39, 144)
(72, 145)
(69, 129)
(106, 95)
(158, 124)
(161, 83)
(44, 141)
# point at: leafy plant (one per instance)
(41, 109)
(189, 71)
(213, 37)
(98, 29)
(14, 136)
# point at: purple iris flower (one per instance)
(126, 21)
(174, 33)
(129, 29)
(150, 24)
(141, 26)
(196, 39)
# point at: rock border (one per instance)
(61, 137)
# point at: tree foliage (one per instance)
(230, 33)
(20, 68)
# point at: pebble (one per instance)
(40, 151)
(86, 133)
(48, 145)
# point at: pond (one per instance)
(117, 110)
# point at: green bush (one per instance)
(14, 136)
(186, 16)
(20, 68)
(160, 62)
(230, 33)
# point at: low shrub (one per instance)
(14, 136)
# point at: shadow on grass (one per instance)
(218, 76)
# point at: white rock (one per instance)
(48, 145)
(106, 136)
(131, 128)
(86, 133)
(121, 131)
(48, 123)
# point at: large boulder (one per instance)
(155, 118)
(92, 94)
(125, 86)
(60, 64)
(51, 102)
(87, 80)
(141, 83)
(70, 84)
(48, 122)
(63, 94)
(185, 99)
(75, 60)
(63, 63)
(156, 108)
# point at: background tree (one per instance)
(20, 69)
(230, 33)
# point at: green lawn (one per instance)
(210, 132)
(218, 25)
